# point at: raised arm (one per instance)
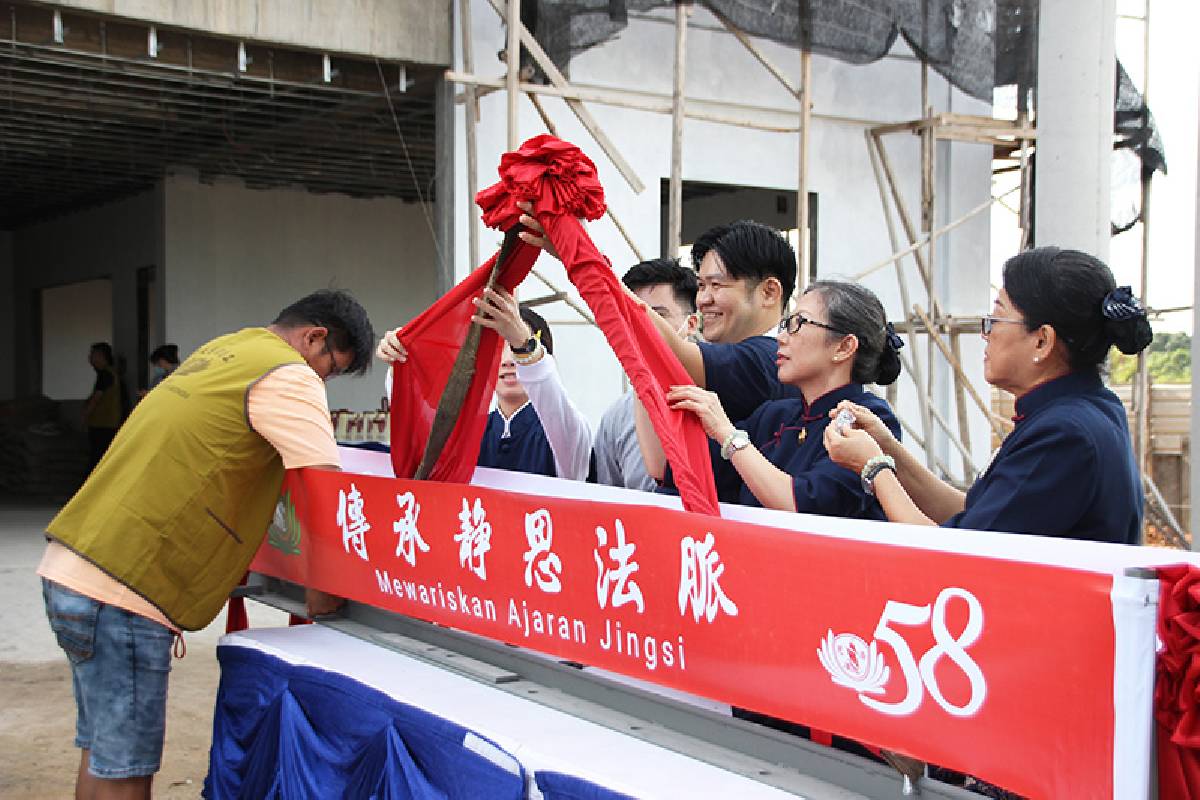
(770, 485)
(687, 352)
(922, 497)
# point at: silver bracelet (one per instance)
(871, 469)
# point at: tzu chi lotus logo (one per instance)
(852, 663)
(861, 667)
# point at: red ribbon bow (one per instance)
(552, 174)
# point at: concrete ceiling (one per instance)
(86, 115)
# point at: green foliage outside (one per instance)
(1169, 359)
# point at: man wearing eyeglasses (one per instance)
(169, 520)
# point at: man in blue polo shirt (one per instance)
(746, 274)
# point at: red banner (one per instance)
(1005, 672)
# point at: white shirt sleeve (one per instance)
(566, 429)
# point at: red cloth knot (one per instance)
(552, 174)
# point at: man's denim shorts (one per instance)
(119, 667)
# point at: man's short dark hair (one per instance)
(540, 328)
(349, 328)
(165, 352)
(750, 250)
(658, 271)
(105, 349)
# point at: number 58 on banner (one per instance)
(852, 663)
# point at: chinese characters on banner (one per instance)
(858, 638)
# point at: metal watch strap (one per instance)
(871, 470)
(736, 440)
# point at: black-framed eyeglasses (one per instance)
(792, 324)
(988, 322)
(334, 369)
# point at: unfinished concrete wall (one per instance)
(235, 257)
(399, 30)
(111, 241)
(851, 234)
(7, 321)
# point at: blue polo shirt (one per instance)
(524, 448)
(1067, 469)
(743, 375)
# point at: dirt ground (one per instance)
(38, 759)
(37, 728)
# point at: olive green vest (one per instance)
(107, 412)
(180, 502)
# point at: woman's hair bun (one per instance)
(1125, 321)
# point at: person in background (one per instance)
(102, 410)
(164, 359)
(168, 522)
(535, 427)
(1067, 469)
(669, 289)
(837, 341)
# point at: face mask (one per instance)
(159, 373)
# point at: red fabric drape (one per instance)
(648, 361)
(561, 183)
(1177, 683)
(433, 340)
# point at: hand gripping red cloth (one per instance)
(1177, 683)
(561, 183)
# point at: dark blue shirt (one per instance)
(1067, 469)
(744, 375)
(524, 449)
(819, 485)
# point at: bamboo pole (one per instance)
(937, 339)
(912, 248)
(802, 240)
(748, 43)
(901, 209)
(1026, 189)
(553, 130)
(584, 116)
(675, 196)
(960, 403)
(513, 78)
(472, 119)
(915, 371)
(574, 304)
(944, 425)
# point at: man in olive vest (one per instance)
(171, 517)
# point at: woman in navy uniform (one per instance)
(1067, 469)
(837, 340)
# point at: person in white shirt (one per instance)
(535, 427)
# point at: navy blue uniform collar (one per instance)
(828, 401)
(1042, 395)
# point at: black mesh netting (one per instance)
(976, 45)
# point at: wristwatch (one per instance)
(871, 470)
(526, 349)
(734, 442)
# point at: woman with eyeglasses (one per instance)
(837, 340)
(1067, 469)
